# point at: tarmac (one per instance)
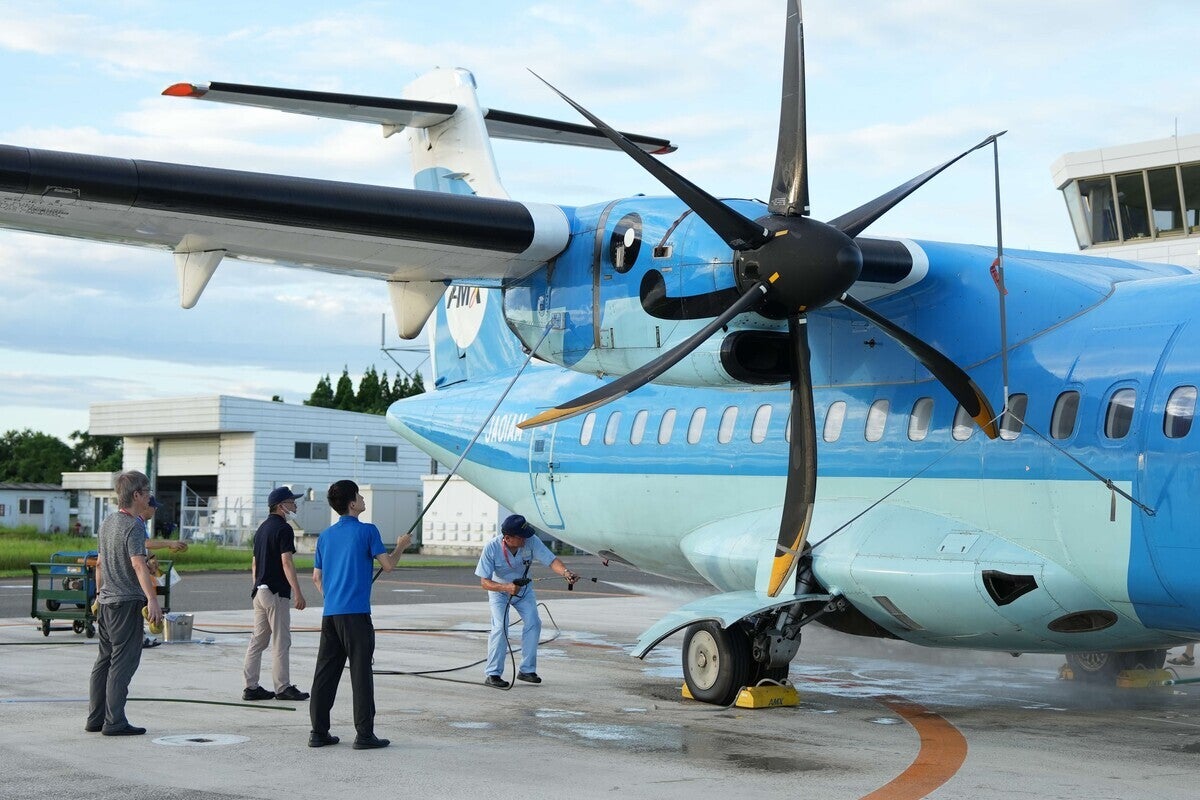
(877, 719)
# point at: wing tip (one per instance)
(185, 90)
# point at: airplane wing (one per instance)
(393, 234)
(397, 113)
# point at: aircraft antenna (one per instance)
(998, 269)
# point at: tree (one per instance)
(96, 453)
(322, 396)
(370, 396)
(31, 457)
(343, 398)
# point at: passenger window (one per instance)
(1062, 420)
(696, 426)
(728, 420)
(963, 425)
(1181, 408)
(666, 426)
(639, 427)
(585, 433)
(876, 419)
(758, 428)
(833, 421)
(918, 420)
(1013, 418)
(1118, 419)
(787, 429)
(610, 430)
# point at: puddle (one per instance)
(200, 740)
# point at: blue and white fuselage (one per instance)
(922, 514)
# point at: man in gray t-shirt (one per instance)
(126, 587)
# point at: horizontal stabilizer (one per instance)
(396, 113)
(724, 609)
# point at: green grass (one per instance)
(20, 546)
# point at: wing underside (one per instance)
(370, 231)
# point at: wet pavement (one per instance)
(602, 724)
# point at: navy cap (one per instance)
(280, 494)
(516, 526)
(154, 502)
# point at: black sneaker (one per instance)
(361, 743)
(291, 693)
(257, 693)
(321, 739)
(495, 681)
(125, 730)
(528, 677)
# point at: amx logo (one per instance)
(465, 306)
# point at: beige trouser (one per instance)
(272, 614)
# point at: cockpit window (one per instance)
(1181, 408)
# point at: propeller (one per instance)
(785, 265)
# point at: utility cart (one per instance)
(64, 589)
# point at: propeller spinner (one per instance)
(790, 262)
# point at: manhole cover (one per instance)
(201, 739)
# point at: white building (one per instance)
(213, 460)
(1136, 201)
(42, 505)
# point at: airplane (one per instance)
(731, 393)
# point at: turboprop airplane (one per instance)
(729, 392)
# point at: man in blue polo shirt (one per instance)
(503, 570)
(346, 552)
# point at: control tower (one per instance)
(1136, 201)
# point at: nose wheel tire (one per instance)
(716, 662)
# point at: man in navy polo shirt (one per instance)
(346, 552)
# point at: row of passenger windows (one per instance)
(1118, 420)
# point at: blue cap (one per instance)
(154, 502)
(516, 526)
(280, 494)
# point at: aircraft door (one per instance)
(541, 475)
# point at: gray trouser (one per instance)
(120, 632)
(272, 614)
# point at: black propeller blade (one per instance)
(739, 232)
(789, 187)
(801, 490)
(852, 223)
(951, 375)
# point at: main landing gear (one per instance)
(718, 662)
(1104, 667)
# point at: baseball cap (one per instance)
(154, 502)
(516, 525)
(279, 494)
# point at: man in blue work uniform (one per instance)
(504, 571)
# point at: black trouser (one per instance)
(345, 636)
(120, 653)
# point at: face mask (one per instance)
(289, 515)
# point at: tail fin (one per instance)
(470, 338)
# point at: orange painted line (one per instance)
(943, 751)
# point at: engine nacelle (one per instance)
(639, 276)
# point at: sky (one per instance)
(892, 89)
